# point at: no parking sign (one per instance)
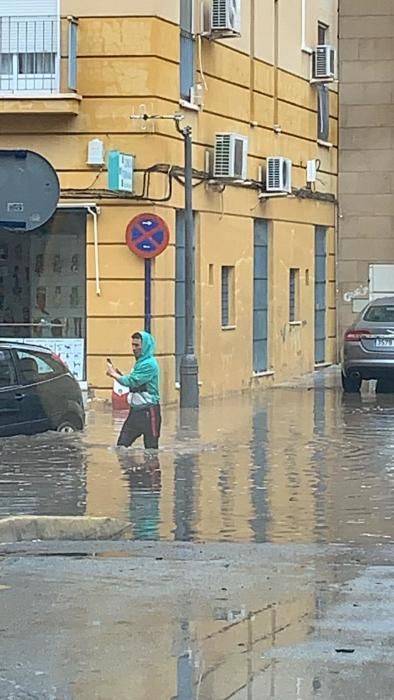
(147, 235)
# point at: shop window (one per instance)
(43, 287)
(323, 113)
(294, 291)
(187, 49)
(228, 296)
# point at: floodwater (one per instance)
(184, 622)
(307, 615)
(297, 463)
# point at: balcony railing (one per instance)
(38, 55)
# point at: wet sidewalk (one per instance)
(298, 463)
(186, 622)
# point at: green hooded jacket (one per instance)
(145, 377)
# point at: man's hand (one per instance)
(111, 372)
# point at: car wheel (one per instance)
(351, 385)
(70, 424)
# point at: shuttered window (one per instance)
(323, 113)
(187, 49)
(320, 292)
(228, 296)
(260, 296)
(294, 277)
(180, 288)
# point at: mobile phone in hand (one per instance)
(109, 361)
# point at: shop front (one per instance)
(43, 287)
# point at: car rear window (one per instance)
(380, 314)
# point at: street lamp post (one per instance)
(189, 392)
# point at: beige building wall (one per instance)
(258, 86)
(366, 165)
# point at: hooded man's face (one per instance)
(136, 345)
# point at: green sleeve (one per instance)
(136, 378)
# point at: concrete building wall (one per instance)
(128, 61)
(366, 163)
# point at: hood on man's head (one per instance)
(148, 344)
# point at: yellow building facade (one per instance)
(264, 264)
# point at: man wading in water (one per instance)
(144, 399)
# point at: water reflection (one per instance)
(212, 634)
(42, 475)
(297, 464)
(143, 476)
(258, 474)
(185, 501)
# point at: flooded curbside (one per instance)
(29, 528)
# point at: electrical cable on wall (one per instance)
(176, 173)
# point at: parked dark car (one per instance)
(37, 392)
(368, 347)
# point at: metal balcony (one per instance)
(38, 58)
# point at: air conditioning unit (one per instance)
(225, 18)
(278, 176)
(230, 157)
(323, 63)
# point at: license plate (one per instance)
(384, 342)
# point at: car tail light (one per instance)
(355, 334)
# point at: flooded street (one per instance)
(260, 565)
(294, 464)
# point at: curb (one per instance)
(23, 528)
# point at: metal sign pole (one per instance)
(189, 392)
(148, 294)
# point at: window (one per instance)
(7, 369)
(320, 293)
(294, 279)
(36, 63)
(29, 51)
(260, 296)
(322, 33)
(6, 63)
(323, 113)
(180, 319)
(380, 314)
(228, 295)
(187, 49)
(35, 367)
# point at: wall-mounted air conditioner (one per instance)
(225, 19)
(278, 175)
(230, 157)
(323, 63)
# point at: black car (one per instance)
(37, 392)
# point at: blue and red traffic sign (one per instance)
(147, 235)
